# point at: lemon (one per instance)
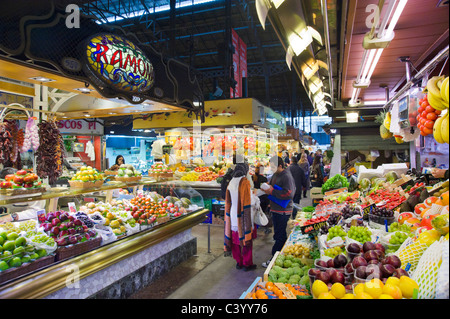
(363, 295)
(392, 290)
(338, 290)
(407, 286)
(359, 288)
(319, 287)
(384, 296)
(85, 178)
(348, 296)
(392, 281)
(326, 295)
(374, 288)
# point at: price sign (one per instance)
(367, 210)
(313, 228)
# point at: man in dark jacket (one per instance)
(300, 182)
(281, 191)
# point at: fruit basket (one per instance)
(86, 177)
(26, 268)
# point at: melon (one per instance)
(364, 183)
(391, 176)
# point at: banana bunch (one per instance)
(440, 129)
(438, 95)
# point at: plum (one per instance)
(330, 263)
(323, 276)
(387, 270)
(354, 248)
(379, 246)
(340, 261)
(368, 245)
(370, 255)
(400, 272)
(358, 261)
(321, 263)
(360, 272)
(373, 271)
(394, 261)
(338, 277)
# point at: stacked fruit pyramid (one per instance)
(438, 98)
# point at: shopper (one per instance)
(258, 179)
(317, 172)
(229, 174)
(238, 227)
(304, 164)
(300, 182)
(281, 192)
(309, 157)
(119, 161)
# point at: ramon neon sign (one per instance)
(120, 64)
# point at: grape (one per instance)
(336, 231)
(360, 233)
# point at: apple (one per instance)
(61, 241)
(18, 180)
(63, 217)
(47, 226)
(73, 239)
(21, 172)
(5, 185)
(9, 177)
(55, 221)
(71, 218)
(87, 236)
(63, 233)
(55, 230)
(72, 231)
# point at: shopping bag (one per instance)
(260, 218)
(282, 202)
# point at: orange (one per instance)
(269, 285)
(444, 198)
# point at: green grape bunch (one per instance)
(360, 234)
(336, 231)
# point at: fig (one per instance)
(313, 272)
(360, 272)
(394, 261)
(354, 248)
(368, 245)
(349, 268)
(387, 270)
(331, 271)
(323, 276)
(358, 261)
(338, 277)
(379, 253)
(379, 246)
(400, 272)
(370, 255)
(321, 263)
(330, 263)
(340, 261)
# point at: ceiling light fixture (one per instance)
(84, 90)
(41, 79)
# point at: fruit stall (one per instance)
(387, 240)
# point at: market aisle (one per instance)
(210, 275)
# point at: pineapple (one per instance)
(384, 131)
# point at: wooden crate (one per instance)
(70, 251)
(316, 192)
(272, 262)
(12, 273)
(248, 293)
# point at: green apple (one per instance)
(4, 234)
(21, 241)
(6, 256)
(12, 236)
(15, 262)
(25, 259)
(19, 251)
(9, 245)
(2, 240)
(1, 249)
(34, 256)
(3, 265)
(41, 252)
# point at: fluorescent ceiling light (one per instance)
(398, 11)
(352, 117)
(374, 102)
(41, 79)
(84, 90)
(374, 63)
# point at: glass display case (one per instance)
(70, 235)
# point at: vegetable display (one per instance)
(337, 181)
(6, 142)
(49, 155)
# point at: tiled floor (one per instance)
(210, 275)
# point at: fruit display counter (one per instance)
(94, 239)
(348, 249)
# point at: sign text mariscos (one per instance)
(119, 63)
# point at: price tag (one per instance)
(367, 210)
(313, 228)
(41, 215)
(72, 207)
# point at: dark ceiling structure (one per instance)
(197, 32)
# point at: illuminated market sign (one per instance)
(119, 64)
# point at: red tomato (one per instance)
(428, 130)
(432, 116)
(438, 112)
(424, 114)
(424, 104)
(429, 124)
(429, 109)
(420, 109)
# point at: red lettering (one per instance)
(67, 124)
(91, 126)
(132, 62)
(79, 125)
(102, 49)
(115, 60)
(142, 72)
(73, 125)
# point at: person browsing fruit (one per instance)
(119, 161)
(239, 230)
(281, 192)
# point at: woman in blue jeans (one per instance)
(281, 191)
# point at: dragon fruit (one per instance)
(31, 139)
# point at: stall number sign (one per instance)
(80, 127)
(120, 64)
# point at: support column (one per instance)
(336, 160)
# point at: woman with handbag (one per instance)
(239, 230)
(317, 172)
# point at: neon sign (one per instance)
(119, 63)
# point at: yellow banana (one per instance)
(434, 93)
(444, 89)
(437, 130)
(444, 129)
(436, 102)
